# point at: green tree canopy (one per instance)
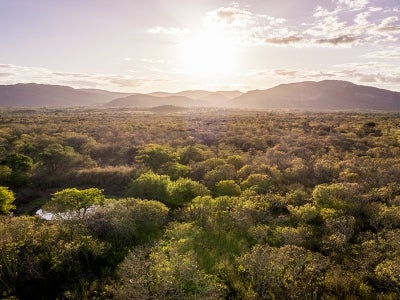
(261, 183)
(7, 198)
(154, 156)
(18, 162)
(150, 186)
(227, 188)
(74, 202)
(184, 190)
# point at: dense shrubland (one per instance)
(203, 204)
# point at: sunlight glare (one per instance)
(211, 53)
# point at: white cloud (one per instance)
(374, 9)
(386, 54)
(321, 12)
(361, 18)
(371, 73)
(24, 74)
(389, 24)
(352, 4)
(231, 16)
(350, 23)
(173, 31)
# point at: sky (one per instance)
(175, 45)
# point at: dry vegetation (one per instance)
(202, 204)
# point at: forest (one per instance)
(175, 203)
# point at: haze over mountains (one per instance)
(322, 95)
(307, 95)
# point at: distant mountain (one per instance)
(230, 94)
(307, 95)
(322, 95)
(32, 94)
(215, 99)
(168, 109)
(147, 101)
(207, 98)
(193, 94)
(112, 95)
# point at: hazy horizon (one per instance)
(171, 46)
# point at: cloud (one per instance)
(376, 73)
(249, 28)
(284, 40)
(127, 82)
(293, 74)
(344, 39)
(389, 24)
(5, 66)
(171, 31)
(232, 16)
(372, 77)
(349, 23)
(321, 12)
(361, 18)
(286, 73)
(373, 8)
(352, 4)
(370, 72)
(20, 74)
(353, 23)
(386, 54)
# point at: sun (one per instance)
(211, 53)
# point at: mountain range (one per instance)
(307, 95)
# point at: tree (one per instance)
(127, 222)
(18, 162)
(261, 183)
(5, 174)
(174, 170)
(227, 188)
(184, 190)
(150, 186)
(154, 156)
(74, 202)
(192, 154)
(222, 172)
(339, 196)
(7, 197)
(289, 272)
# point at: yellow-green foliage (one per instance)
(250, 204)
(7, 198)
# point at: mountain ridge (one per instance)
(305, 95)
(320, 95)
(34, 94)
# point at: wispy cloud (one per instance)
(284, 40)
(169, 31)
(232, 16)
(16, 74)
(350, 22)
(344, 39)
(352, 4)
(378, 73)
(385, 54)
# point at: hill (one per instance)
(322, 95)
(307, 95)
(168, 109)
(205, 98)
(112, 95)
(146, 101)
(32, 94)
